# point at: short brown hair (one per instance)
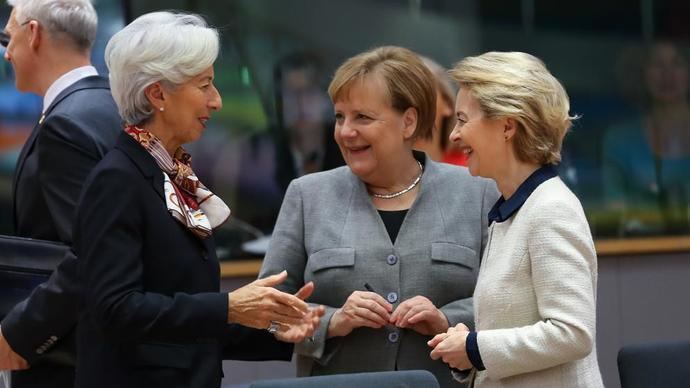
(517, 85)
(410, 83)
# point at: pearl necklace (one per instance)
(403, 191)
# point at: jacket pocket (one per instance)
(454, 254)
(331, 258)
(159, 354)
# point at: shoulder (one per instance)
(86, 116)
(331, 180)
(116, 169)
(553, 201)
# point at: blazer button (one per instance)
(393, 336)
(392, 297)
(392, 259)
(54, 338)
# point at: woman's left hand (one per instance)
(450, 347)
(295, 333)
(306, 329)
(419, 314)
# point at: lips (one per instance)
(203, 120)
(355, 149)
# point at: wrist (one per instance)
(335, 325)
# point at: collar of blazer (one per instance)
(91, 82)
(143, 160)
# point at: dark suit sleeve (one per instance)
(109, 237)
(48, 315)
(247, 344)
(66, 156)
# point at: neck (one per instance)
(154, 126)
(395, 176)
(513, 175)
(57, 65)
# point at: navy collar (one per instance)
(504, 209)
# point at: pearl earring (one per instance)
(162, 109)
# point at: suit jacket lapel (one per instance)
(20, 165)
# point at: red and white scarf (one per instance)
(187, 199)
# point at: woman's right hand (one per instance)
(258, 303)
(361, 309)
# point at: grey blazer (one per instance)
(329, 232)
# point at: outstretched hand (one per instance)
(258, 304)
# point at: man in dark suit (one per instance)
(48, 44)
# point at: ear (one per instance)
(35, 35)
(156, 95)
(509, 128)
(410, 118)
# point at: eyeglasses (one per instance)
(5, 37)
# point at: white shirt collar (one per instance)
(65, 81)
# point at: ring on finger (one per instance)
(273, 327)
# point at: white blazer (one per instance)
(535, 300)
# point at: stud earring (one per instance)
(162, 109)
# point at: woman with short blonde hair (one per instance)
(518, 85)
(535, 299)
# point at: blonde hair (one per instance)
(518, 86)
(410, 84)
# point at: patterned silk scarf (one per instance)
(187, 199)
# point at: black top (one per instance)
(393, 220)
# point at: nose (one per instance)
(346, 129)
(215, 102)
(455, 134)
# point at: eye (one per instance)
(363, 117)
(339, 118)
(462, 121)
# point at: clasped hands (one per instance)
(450, 347)
(260, 305)
(369, 309)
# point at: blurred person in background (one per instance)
(48, 43)
(535, 300)
(435, 143)
(153, 315)
(393, 256)
(646, 159)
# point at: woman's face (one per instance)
(481, 138)
(371, 134)
(188, 107)
(666, 74)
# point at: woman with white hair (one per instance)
(153, 314)
(535, 299)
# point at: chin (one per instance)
(360, 169)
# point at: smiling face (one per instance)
(371, 134)
(188, 107)
(481, 138)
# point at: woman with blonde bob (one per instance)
(392, 258)
(535, 300)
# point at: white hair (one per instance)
(160, 46)
(75, 20)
